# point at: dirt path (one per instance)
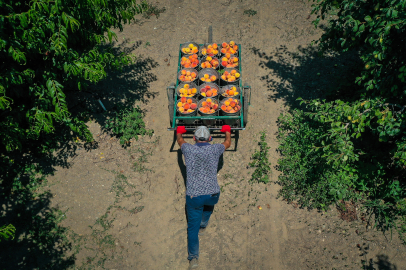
(126, 219)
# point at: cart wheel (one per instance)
(171, 94)
(246, 104)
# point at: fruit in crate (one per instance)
(190, 61)
(186, 105)
(231, 92)
(230, 105)
(208, 91)
(190, 49)
(208, 78)
(230, 48)
(229, 61)
(187, 75)
(186, 91)
(211, 49)
(210, 62)
(208, 106)
(231, 76)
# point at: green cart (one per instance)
(213, 122)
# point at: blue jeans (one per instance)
(199, 210)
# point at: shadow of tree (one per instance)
(382, 263)
(40, 241)
(308, 75)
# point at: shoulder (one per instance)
(219, 147)
(186, 147)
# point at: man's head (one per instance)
(202, 134)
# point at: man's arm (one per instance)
(180, 139)
(179, 131)
(227, 141)
(227, 130)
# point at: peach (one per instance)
(224, 44)
(223, 107)
(215, 46)
(186, 106)
(183, 72)
(215, 106)
(206, 76)
(183, 100)
(180, 104)
(203, 79)
(193, 106)
(193, 75)
(213, 78)
(232, 103)
(227, 103)
(190, 101)
(209, 93)
(204, 103)
(181, 109)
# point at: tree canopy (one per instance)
(352, 145)
(48, 47)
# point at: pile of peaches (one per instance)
(208, 91)
(189, 62)
(186, 105)
(231, 76)
(230, 105)
(231, 47)
(229, 61)
(231, 92)
(210, 50)
(208, 106)
(187, 75)
(190, 49)
(186, 91)
(208, 78)
(210, 62)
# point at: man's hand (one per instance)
(227, 130)
(179, 131)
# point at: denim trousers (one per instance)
(199, 210)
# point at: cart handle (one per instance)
(173, 129)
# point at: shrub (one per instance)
(354, 147)
(128, 124)
(260, 161)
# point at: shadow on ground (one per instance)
(304, 73)
(40, 242)
(119, 90)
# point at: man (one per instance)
(202, 189)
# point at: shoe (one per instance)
(193, 263)
(202, 230)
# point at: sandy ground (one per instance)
(124, 219)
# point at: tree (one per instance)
(47, 47)
(354, 148)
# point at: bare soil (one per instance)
(135, 219)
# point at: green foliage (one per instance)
(353, 147)
(48, 47)
(250, 12)
(128, 124)
(7, 231)
(260, 161)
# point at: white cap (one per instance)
(202, 133)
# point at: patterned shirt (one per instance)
(201, 168)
